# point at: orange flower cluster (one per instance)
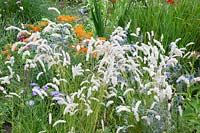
(81, 33)
(66, 18)
(37, 28)
(84, 35)
(7, 51)
(34, 28)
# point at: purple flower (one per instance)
(36, 87)
(168, 74)
(34, 93)
(54, 93)
(31, 102)
(33, 84)
(45, 87)
(82, 11)
(21, 38)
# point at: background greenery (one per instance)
(11, 14)
(178, 20)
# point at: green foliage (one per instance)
(177, 20)
(16, 12)
(191, 109)
(96, 11)
(24, 10)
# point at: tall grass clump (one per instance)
(97, 17)
(179, 19)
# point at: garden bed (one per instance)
(106, 66)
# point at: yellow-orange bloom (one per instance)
(81, 33)
(84, 50)
(94, 54)
(71, 46)
(88, 35)
(14, 48)
(102, 38)
(41, 24)
(67, 18)
(5, 51)
(26, 39)
(34, 28)
(8, 56)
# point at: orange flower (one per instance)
(26, 40)
(41, 24)
(5, 51)
(71, 46)
(67, 18)
(94, 54)
(84, 50)
(79, 29)
(60, 18)
(37, 29)
(81, 33)
(88, 35)
(102, 38)
(34, 28)
(30, 25)
(15, 48)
